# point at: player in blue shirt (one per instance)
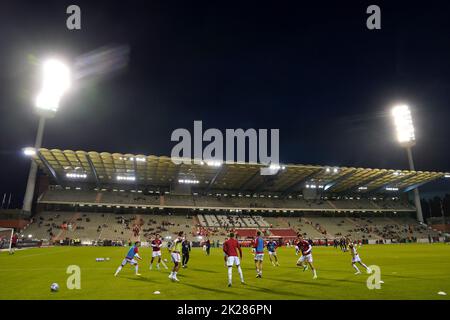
(258, 246)
(272, 246)
(133, 253)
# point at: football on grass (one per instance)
(54, 287)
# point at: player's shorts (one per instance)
(156, 254)
(175, 257)
(356, 258)
(297, 248)
(233, 261)
(130, 261)
(259, 256)
(272, 253)
(307, 258)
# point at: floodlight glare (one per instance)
(403, 124)
(56, 81)
(29, 151)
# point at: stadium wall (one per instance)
(17, 224)
(441, 227)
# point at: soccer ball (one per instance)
(54, 287)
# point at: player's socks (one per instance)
(314, 274)
(151, 267)
(366, 267)
(137, 270)
(241, 274)
(230, 275)
(118, 270)
(171, 275)
(357, 269)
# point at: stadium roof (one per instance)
(67, 166)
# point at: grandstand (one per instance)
(95, 196)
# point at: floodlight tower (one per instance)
(406, 137)
(56, 80)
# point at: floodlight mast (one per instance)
(56, 81)
(406, 137)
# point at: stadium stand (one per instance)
(125, 197)
(94, 226)
(118, 198)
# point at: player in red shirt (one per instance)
(224, 254)
(231, 248)
(306, 249)
(156, 251)
(13, 243)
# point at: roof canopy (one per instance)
(67, 166)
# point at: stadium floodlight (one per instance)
(274, 167)
(214, 163)
(55, 82)
(404, 128)
(404, 125)
(391, 189)
(126, 178)
(29, 151)
(76, 175)
(188, 181)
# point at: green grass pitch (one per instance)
(411, 271)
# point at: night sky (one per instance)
(311, 69)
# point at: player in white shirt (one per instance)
(175, 252)
(357, 259)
